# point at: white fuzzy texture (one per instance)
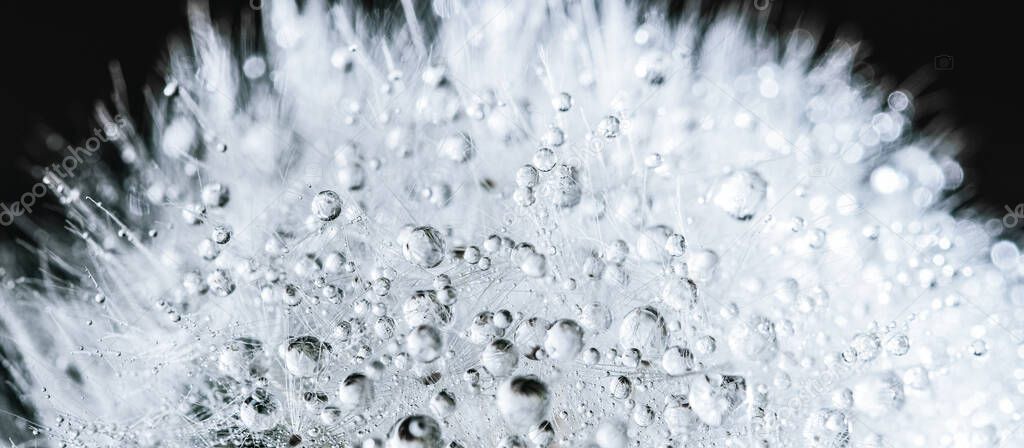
(837, 246)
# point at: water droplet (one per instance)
(424, 343)
(564, 340)
(679, 417)
(304, 356)
(442, 404)
(739, 193)
(620, 387)
(355, 392)
(258, 411)
(523, 401)
(866, 346)
(702, 265)
(652, 67)
(240, 358)
(608, 127)
(754, 339)
(879, 394)
(415, 431)
(553, 137)
(500, 358)
(643, 329)
(677, 361)
(215, 195)
(562, 102)
(220, 282)
(527, 176)
(221, 234)
(979, 347)
(326, 205)
(679, 293)
(423, 246)
(544, 159)
(457, 147)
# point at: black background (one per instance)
(56, 56)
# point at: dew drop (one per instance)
(562, 102)
(500, 358)
(523, 401)
(739, 193)
(643, 329)
(355, 392)
(327, 205)
(424, 246)
(564, 340)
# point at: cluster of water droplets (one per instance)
(555, 228)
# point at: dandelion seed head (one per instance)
(528, 227)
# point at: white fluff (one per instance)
(660, 155)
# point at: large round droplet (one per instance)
(564, 340)
(701, 265)
(739, 193)
(352, 176)
(643, 329)
(677, 361)
(679, 293)
(326, 205)
(258, 411)
(442, 404)
(215, 195)
(457, 147)
(500, 357)
(620, 387)
(424, 246)
(879, 394)
(415, 431)
(562, 102)
(304, 356)
(866, 346)
(523, 401)
(483, 329)
(608, 127)
(424, 343)
(240, 358)
(355, 392)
